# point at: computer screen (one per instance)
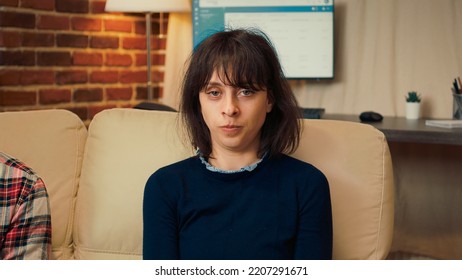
(302, 31)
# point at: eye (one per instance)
(246, 92)
(213, 93)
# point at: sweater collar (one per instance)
(212, 168)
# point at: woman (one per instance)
(241, 197)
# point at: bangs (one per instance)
(240, 74)
(237, 64)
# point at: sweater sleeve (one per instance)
(314, 237)
(160, 237)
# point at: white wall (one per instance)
(385, 48)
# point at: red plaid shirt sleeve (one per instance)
(25, 221)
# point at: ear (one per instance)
(269, 103)
(269, 106)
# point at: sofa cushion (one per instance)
(51, 142)
(124, 147)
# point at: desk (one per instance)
(400, 129)
(427, 167)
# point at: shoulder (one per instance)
(308, 182)
(288, 163)
(302, 174)
(176, 169)
(17, 168)
(21, 180)
(166, 185)
(172, 175)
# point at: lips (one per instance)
(230, 129)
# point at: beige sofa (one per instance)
(96, 178)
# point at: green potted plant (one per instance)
(413, 105)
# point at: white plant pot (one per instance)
(412, 110)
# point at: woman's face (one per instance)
(233, 115)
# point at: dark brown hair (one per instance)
(247, 59)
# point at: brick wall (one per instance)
(71, 54)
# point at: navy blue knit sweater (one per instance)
(280, 210)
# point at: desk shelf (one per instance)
(400, 129)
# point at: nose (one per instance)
(230, 106)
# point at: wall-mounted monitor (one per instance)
(301, 30)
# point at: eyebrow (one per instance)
(214, 84)
(221, 84)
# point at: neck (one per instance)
(226, 160)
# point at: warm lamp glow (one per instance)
(148, 7)
(143, 6)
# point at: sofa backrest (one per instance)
(356, 161)
(125, 146)
(51, 142)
